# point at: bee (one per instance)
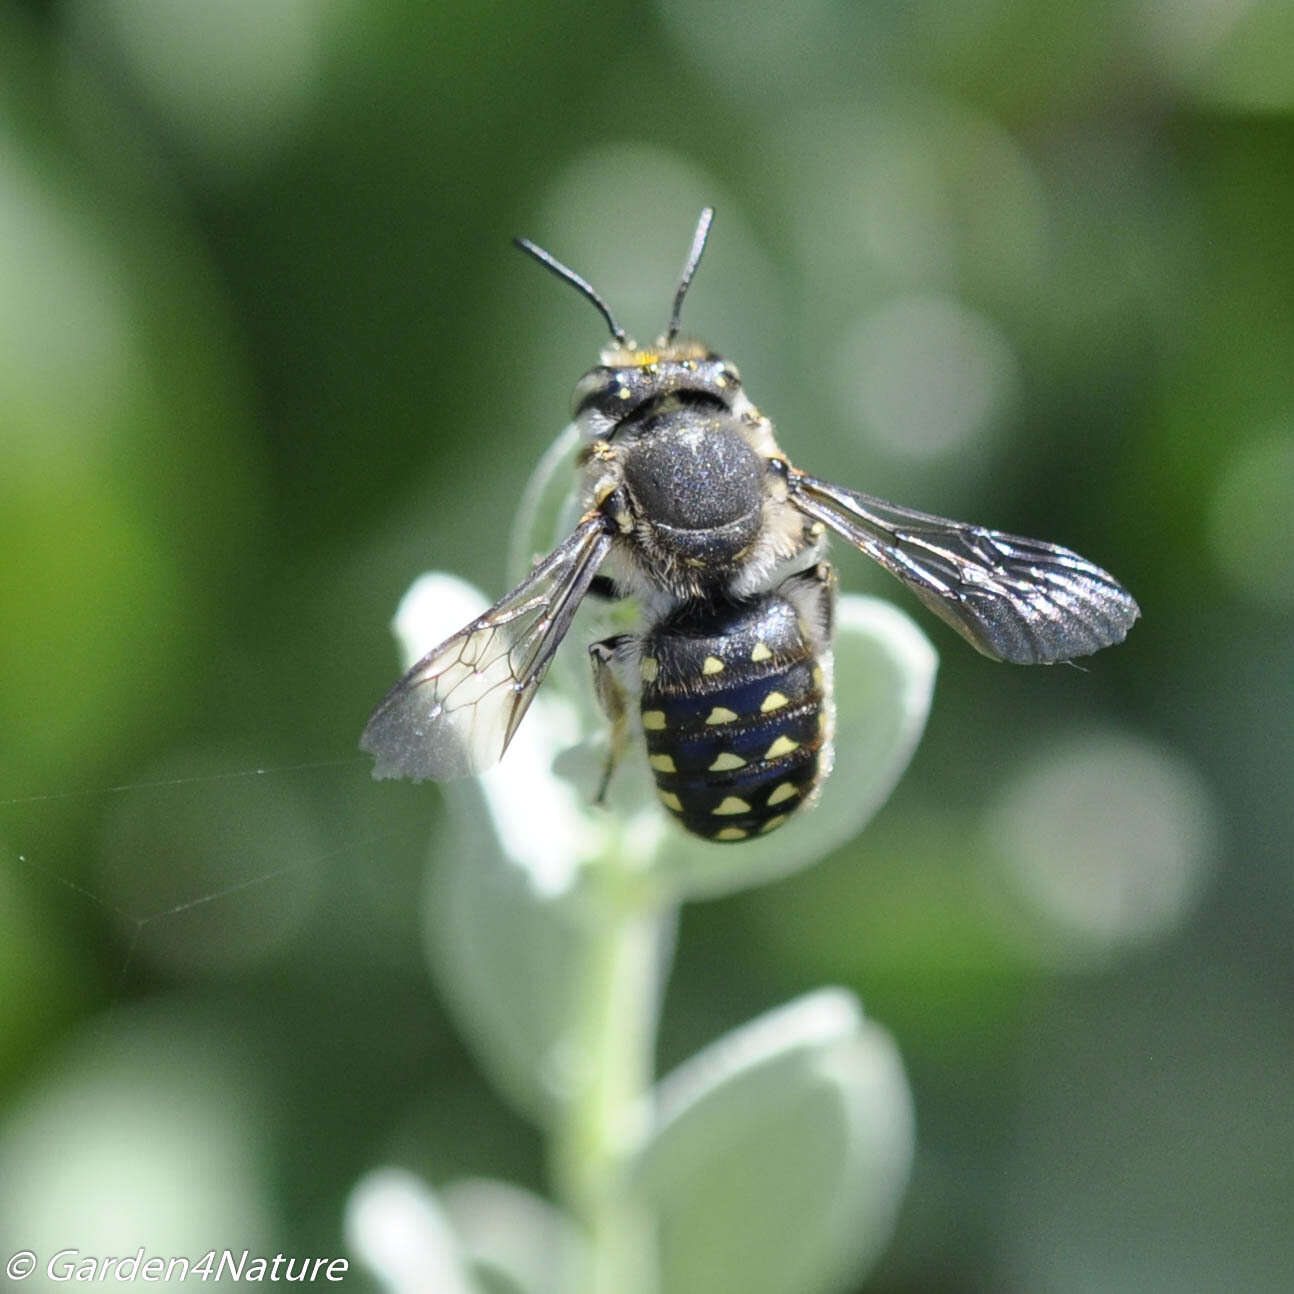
(695, 512)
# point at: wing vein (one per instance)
(456, 710)
(1014, 599)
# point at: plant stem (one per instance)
(606, 1118)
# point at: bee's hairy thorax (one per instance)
(674, 436)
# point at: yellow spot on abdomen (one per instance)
(782, 746)
(719, 715)
(773, 701)
(662, 763)
(670, 801)
(649, 669)
(773, 823)
(731, 833)
(760, 652)
(784, 791)
(653, 720)
(723, 762)
(712, 665)
(731, 804)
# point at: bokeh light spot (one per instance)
(148, 1133)
(1232, 55)
(1107, 838)
(624, 214)
(926, 374)
(913, 193)
(69, 354)
(233, 80)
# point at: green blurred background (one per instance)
(265, 355)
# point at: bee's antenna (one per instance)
(689, 269)
(583, 286)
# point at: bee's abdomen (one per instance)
(734, 713)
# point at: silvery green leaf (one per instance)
(509, 1234)
(504, 916)
(508, 959)
(547, 510)
(884, 681)
(397, 1228)
(781, 1154)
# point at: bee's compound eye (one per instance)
(587, 388)
(600, 388)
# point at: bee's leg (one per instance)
(613, 697)
(813, 593)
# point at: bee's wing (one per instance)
(456, 710)
(1017, 600)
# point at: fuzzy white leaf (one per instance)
(507, 1230)
(781, 1154)
(396, 1226)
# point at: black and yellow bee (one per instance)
(695, 512)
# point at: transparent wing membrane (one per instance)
(454, 713)
(1014, 599)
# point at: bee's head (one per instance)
(628, 384)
